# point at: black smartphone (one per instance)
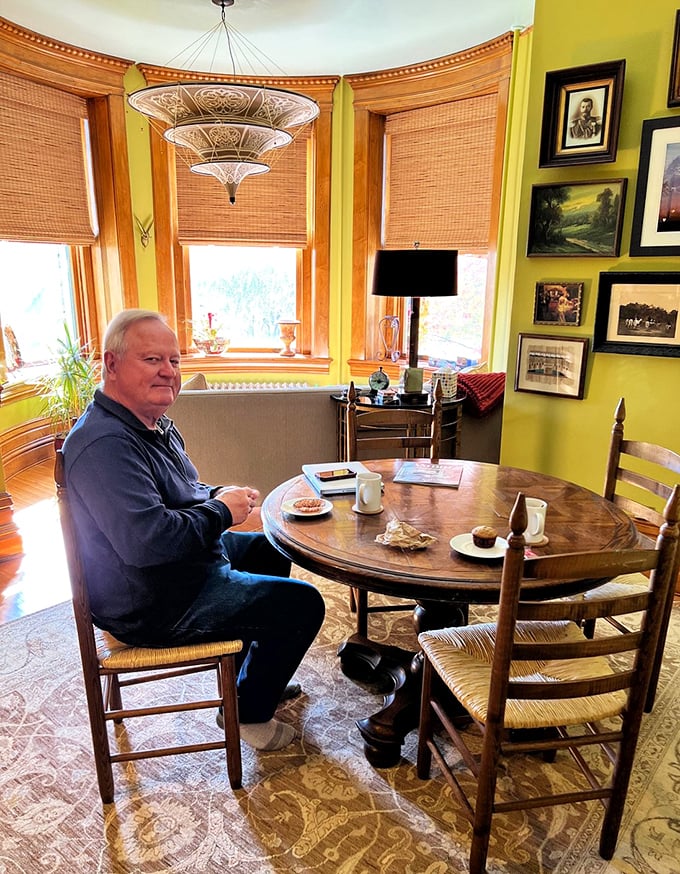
(327, 476)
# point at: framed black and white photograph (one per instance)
(582, 114)
(558, 303)
(674, 83)
(637, 314)
(576, 219)
(656, 215)
(551, 365)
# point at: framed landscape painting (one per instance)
(576, 219)
(637, 314)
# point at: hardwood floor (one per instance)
(39, 578)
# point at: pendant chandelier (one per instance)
(228, 126)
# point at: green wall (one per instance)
(561, 436)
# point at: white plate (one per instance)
(463, 544)
(289, 507)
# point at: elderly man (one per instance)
(162, 569)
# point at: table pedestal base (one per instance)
(397, 672)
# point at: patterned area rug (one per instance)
(316, 806)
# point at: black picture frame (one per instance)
(637, 314)
(552, 365)
(656, 214)
(568, 135)
(674, 81)
(577, 219)
(558, 303)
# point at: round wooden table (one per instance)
(341, 546)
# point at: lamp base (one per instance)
(414, 398)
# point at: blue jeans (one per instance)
(253, 598)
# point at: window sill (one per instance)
(253, 362)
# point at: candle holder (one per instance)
(287, 329)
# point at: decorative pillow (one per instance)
(197, 382)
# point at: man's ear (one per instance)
(109, 362)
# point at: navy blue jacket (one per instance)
(149, 531)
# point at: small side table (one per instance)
(452, 418)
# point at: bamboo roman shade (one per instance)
(43, 185)
(270, 208)
(439, 175)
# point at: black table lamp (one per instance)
(415, 273)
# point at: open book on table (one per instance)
(343, 486)
(428, 474)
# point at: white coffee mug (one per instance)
(368, 492)
(536, 510)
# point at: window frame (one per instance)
(313, 284)
(484, 69)
(104, 273)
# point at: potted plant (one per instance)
(70, 385)
(208, 337)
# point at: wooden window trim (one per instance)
(106, 271)
(480, 70)
(313, 280)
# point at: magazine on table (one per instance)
(333, 477)
(428, 474)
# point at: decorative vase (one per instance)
(287, 328)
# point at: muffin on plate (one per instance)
(484, 536)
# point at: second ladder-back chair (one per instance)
(639, 480)
(109, 665)
(532, 682)
(390, 432)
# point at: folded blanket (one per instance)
(484, 391)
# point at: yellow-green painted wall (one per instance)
(560, 436)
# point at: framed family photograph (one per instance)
(577, 219)
(581, 114)
(656, 215)
(548, 365)
(558, 303)
(637, 314)
(674, 83)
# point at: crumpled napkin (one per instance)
(404, 536)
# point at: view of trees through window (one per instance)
(36, 300)
(246, 288)
(453, 327)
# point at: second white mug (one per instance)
(536, 510)
(368, 492)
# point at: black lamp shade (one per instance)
(415, 272)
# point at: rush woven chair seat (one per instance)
(109, 666)
(639, 480)
(532, 682)
(390, 432)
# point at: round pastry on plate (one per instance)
(308, 505)
(484, 536)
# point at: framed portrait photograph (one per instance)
(637, 314)
(674, 83)
(558, 303)
(581, 114)
(580, 219)
(548, 365)
(656, 214)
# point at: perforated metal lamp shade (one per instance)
(415, 273)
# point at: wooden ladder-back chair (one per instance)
(639, 480)
(390, 432)
(532, 681)
(109, 665)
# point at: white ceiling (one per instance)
(301, 37)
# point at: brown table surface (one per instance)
(341, 545)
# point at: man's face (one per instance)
(146, 378)
(586, 106)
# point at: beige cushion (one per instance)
(462, 657)
(197, 382)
